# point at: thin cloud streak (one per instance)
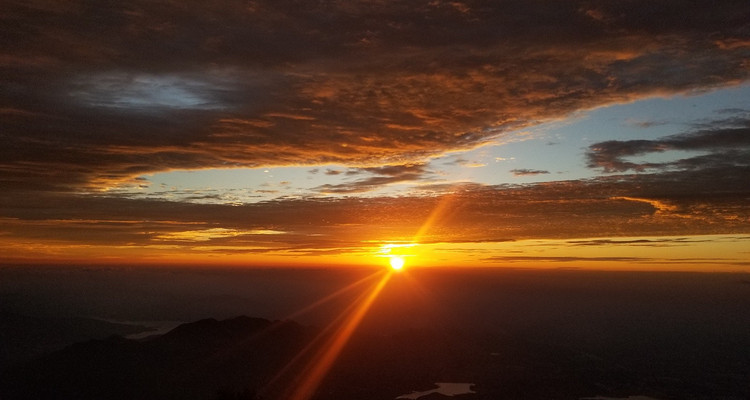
(528, 172)
(629, 260)
(384, 175)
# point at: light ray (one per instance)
(273, 327)
(320, 365)
(332, 296)
(438, 213)
(270, 387)
(348, 321)
(314, 343)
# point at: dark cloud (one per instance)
(643, 260)
(727, 141)
(384, 175)
(645, 124)
(96, 93)
(527, 172)
(506, 259)
(661, 242)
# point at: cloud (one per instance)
(528, 172)
(511, 259)
(645, 124)
(144, 92)
(99, 93)
(628, 260)
(466, 163)
(661, 242)
(727, 143)
(659, 206)
(676, 204)
(384, 175)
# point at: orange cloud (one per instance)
(277, 84)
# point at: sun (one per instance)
(397, 263)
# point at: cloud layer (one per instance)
(634, 205)
(97, 93)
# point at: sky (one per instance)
(518, 134)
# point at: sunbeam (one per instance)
(275, 326)
(319, 366)
(332, 296)
(308, 382)
(438, 213)
(324, 333)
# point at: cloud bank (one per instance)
(98, 93)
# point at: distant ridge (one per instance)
(205, 359)
(225, 329)
(24, 337)
(247, 358)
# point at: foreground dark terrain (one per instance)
(513, 334)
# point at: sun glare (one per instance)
(397, 263)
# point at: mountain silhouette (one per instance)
(247, 358)
(206, 359)
(24, 337)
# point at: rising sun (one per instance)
(397, 263)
